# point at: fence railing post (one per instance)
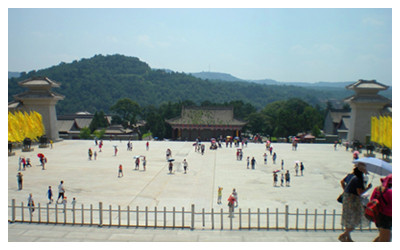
(173, 217)
(183, 217)
(119, 215)
(110, 216)
(212, 218)
(65, 212)
(306, 220)
(192, 223)
(203, 217)
(333, 219)
(47, 212)
(286, 217)
(297, 219)
(39, 214)
(155, 217)
(277, 219)
(128, 216)
(267, 219)
(249, 219)
(83, 214)
(165, 217)
(56, 213)
(240, 218)
(222, 218)
(146, 216)
(13, 210)
(315, 220)
(22, 211)
(137, 216)
(91, 214)
(258, 218)
(73, 214)
(100, 214)
(324, 219)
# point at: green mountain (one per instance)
(98, 82)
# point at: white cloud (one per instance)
(372, 21)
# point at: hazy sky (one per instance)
(308, 45)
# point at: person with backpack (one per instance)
(352, 209)
(383, 221)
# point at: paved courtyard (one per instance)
(94, 181)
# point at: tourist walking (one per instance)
(19, 180)
(253, 163)
(61, 191)
(120, 173)
(185, 165)
(248, 162)
(144, 163)
(170, 167)
(282, 164)
(19, 163)
(90, 153)
(384, 222)
(274, 158)
(282, 179)
(219, 195)
(147, 146)
(232, 203)
(275, 178)
(296, 168)
(301, 168)
(287, 178)
(50, 195)
(137, 163)
(352, 209)
(265, 158)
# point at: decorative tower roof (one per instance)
(366, 91)
(39, 87)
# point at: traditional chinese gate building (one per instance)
(205, 123)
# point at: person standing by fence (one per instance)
(61, 191)
(231, 204)
(31, 204)
(50, 195)
(353, 210)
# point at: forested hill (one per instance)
(98, 82)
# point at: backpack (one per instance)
(372, 208)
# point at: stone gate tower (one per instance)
(41, 99)
(364, 104)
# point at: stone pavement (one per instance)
(25, 232)
(94, 181)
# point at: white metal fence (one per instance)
(178, 217)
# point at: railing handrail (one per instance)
(115, 216)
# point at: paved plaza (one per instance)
(94, 181)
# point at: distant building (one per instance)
(205, 123)
(364, 104)
(336, 123)
(40, 98)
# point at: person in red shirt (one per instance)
(384, 222)
(120, 174)
(231, 205)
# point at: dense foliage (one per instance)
(99, 82)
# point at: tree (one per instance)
(127, 110)
(85, 133)
(99, 121)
